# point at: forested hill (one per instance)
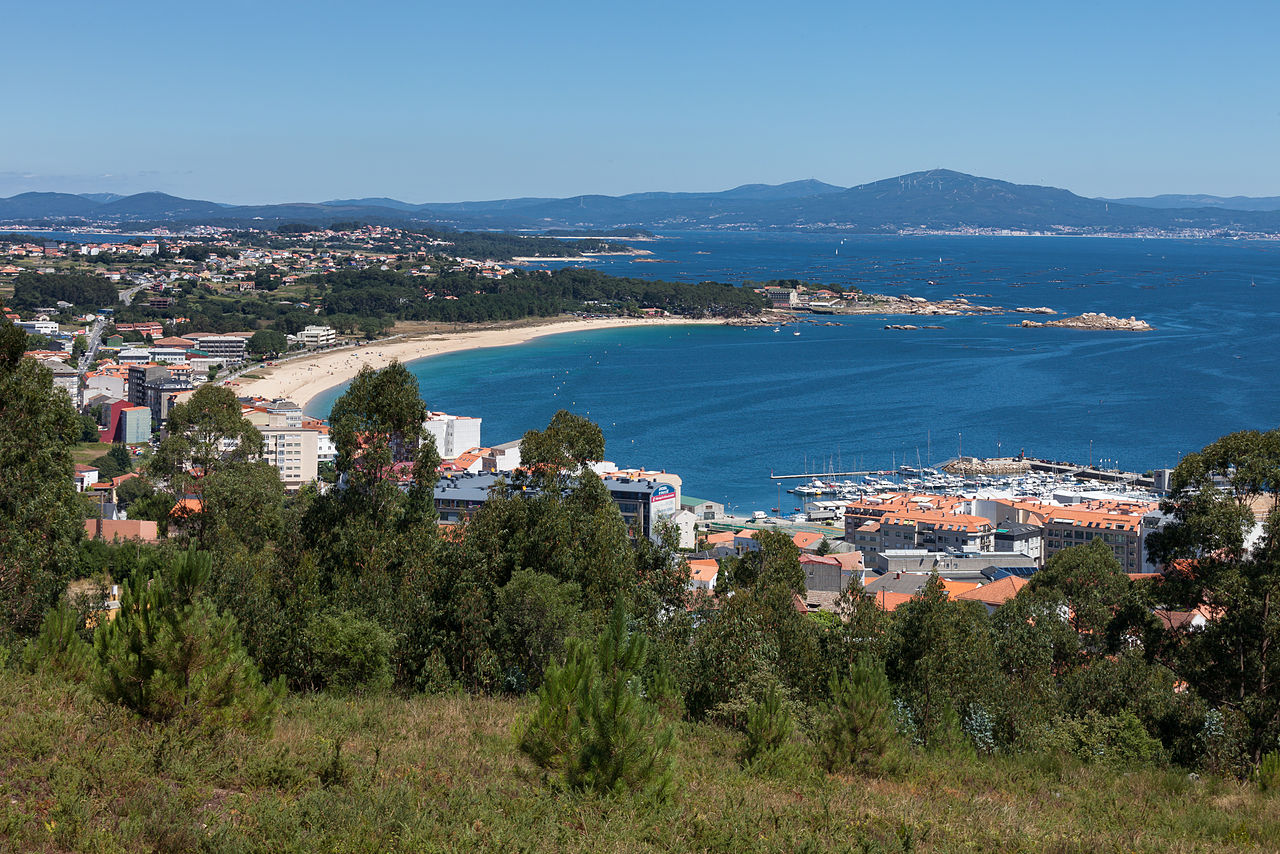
(939, 199)
(467, 296)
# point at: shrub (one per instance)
(534, 615)
(169, 655)
(594, 722)
(858, 722)
(1268, 774)
(1117, 739)
(58, 647)
(768, 730)
(348, 653)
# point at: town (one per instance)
(125, 378)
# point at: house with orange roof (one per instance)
(888, 600)
(703, 573)
(807, 541)
(720, 544)
(995, 593)
(829, 573)
(955, 588)
(745, 541)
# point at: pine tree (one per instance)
(169, 654)
(769, 727)
(859, 724)
(594, 722)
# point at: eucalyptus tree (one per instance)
(41, 517)
(1221, 549)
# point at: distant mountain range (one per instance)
(1175, 200)
(935, 200)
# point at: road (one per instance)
(95, 331)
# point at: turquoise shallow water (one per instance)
(724, 406)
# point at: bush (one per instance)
(170, 655)
(769, 732)
(348, 653)
(1117, 739)
(58, 647)
(594, 723)
(858, 722)
(1268, 774)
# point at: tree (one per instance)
(858, 722)
(205, 433)
(594, 724)
(132, 490)
(1221, 549)
(41, 518)
(940, 660)
(170, 655)
(568, 444)
(241, 503)
(88, 428)
(535, 614)
(378, 424)
(268, 342)
(1092, 586)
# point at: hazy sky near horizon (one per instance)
(279, 101)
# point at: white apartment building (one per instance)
(294, 452)
(318, 336)
(38, 327)
(453, 433)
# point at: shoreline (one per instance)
(302, 380)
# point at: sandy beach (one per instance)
(301, 379)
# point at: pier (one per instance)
(826, 474)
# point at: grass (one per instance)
(442, 774)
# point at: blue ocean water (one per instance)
(725, 406)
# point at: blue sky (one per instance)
(277, 101)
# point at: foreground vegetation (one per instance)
(442, 773)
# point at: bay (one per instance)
(725, 406)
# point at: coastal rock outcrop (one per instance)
(1094, 320)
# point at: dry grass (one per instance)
(442, 774)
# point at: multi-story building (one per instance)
(139, 375)
(937, 531)
(1021, 538)
(158, 395)
(293, 451)
(318, 336)
(642, 503)
(38, 327)
(228, 347)
(454, 434)
(1118, 524)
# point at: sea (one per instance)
(726, 407)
